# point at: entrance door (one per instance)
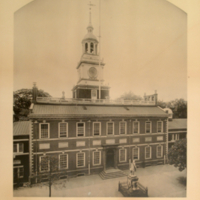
(110, 158)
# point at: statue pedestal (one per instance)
(132, 182)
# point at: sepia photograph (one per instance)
(100, 98)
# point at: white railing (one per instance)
(53, 100)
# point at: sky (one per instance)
(143, 44)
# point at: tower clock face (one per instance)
(92, 72)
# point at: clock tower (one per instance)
(90, 70)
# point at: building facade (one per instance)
(91, 133)
(177, 130)
(21, 132)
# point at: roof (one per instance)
(90, 36)
(45, 110)
(178, 124)
(21, 128)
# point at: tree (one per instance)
(50, 172)
(22, 101)
(177, 154)
(129, 96)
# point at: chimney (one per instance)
(35, 92)
(156, 97)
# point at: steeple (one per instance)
(90, 68)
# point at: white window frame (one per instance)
(41, 165)
(120, 127)
(66, 155)
(99, 128)
(161, 151)
(138, 153)
(77, 129)
(77, 159)
(173, 138)
(18, 171)
(150, 152)
(138, 127)
(107, 128)
(161, 126)
(176, 136)
(150, 127)
(66, 129)
(99, 158)
(120, 155)
(18, 148)
(41, 129)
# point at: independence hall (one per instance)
(90, 133)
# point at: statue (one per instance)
(133, 167)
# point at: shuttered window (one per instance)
(122, 155)
(63, 129)
(135, 127)
(159, 151)
(80, 159)
(122, 128)
(97, 128)
(96, 158)
(148, 127)
(135, 153)
(44, 130)
(63, 161)
(80, 129)
(147, 152)
(44, 163)
(159, 127)
(110, 128)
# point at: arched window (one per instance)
(91, 48)
(86, 47)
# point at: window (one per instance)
(18, 148)
(136, 127)
(96, 128)
(122, 155)
(96, 157)
(159, 127)
(147, 127)
(44, 164)
(80, 160)
(147, 152)
(63, 161)
(91, 48)
(135, 153)
(44, 130)
(122, 128)
(86, 47)
(159, 151)
(63, 129)
(80, 129)
(19, 172)
(175, 136)
(110, 128)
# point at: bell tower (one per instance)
(90, 69)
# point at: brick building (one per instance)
(21, 132)
(91, 133)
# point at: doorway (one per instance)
(110, 159)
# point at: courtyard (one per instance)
(161, 180)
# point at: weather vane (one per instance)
(90, 4)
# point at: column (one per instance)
(104, 159)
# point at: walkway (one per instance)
(162, 181)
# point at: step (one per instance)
(118, 173)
